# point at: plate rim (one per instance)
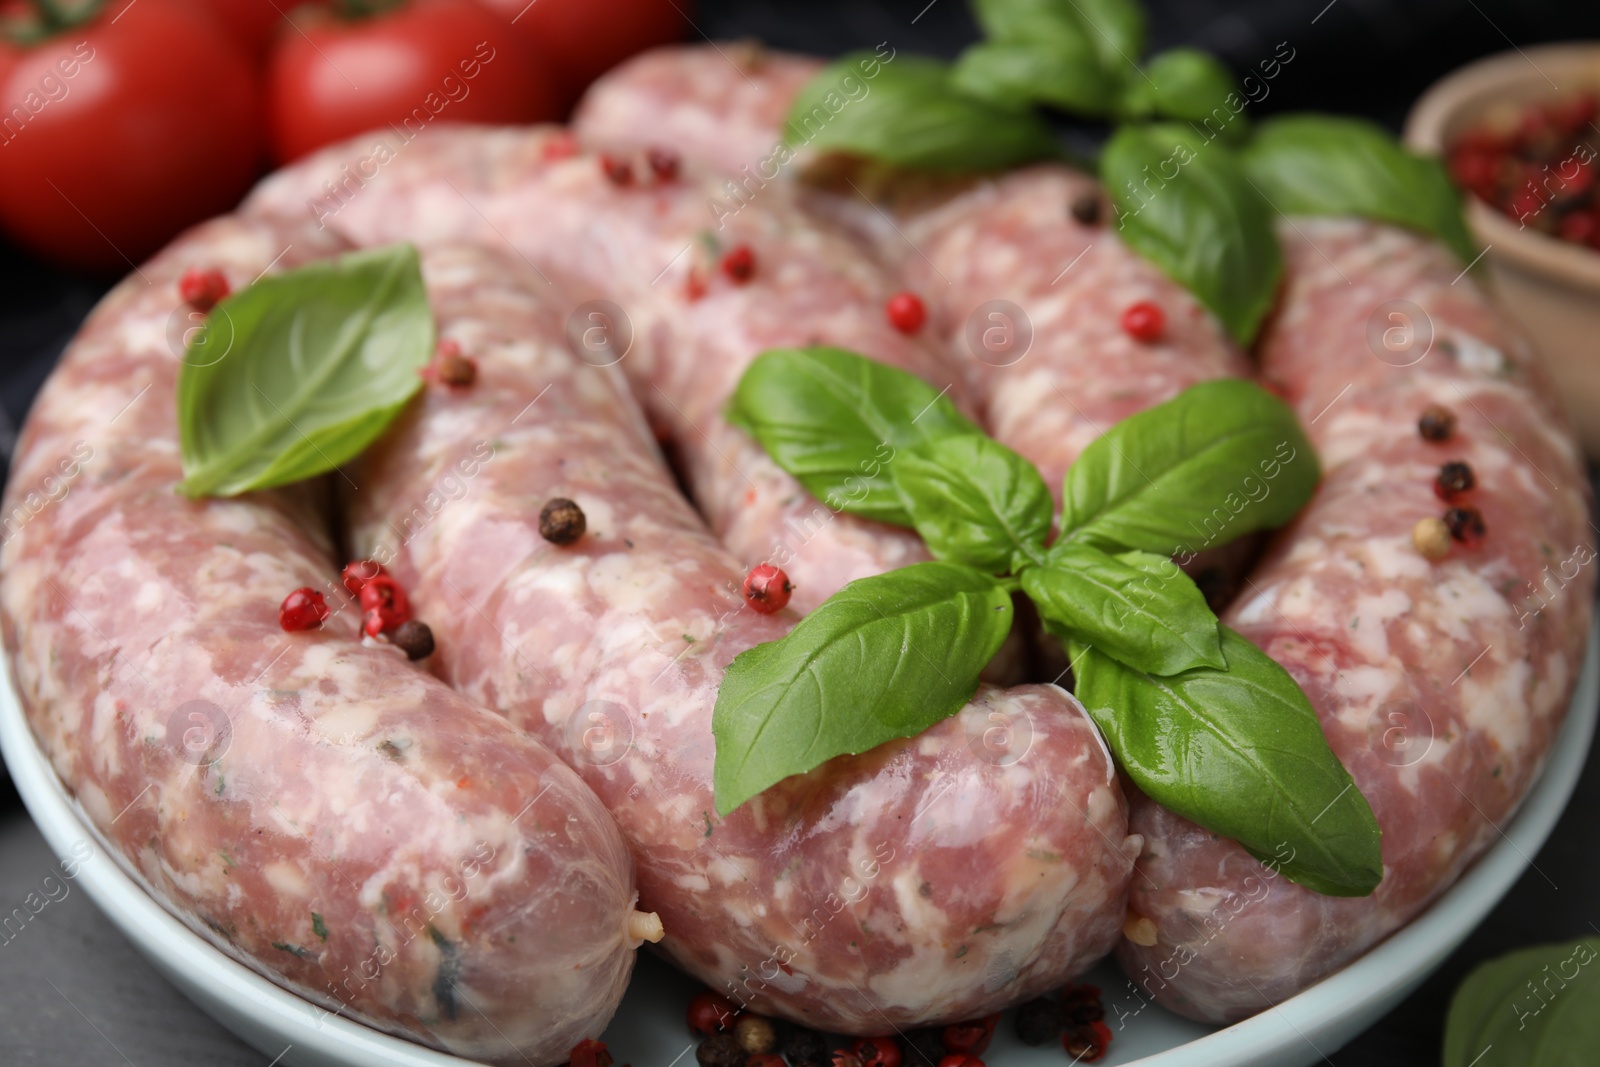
(1359, 988)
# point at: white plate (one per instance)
(649, 1031)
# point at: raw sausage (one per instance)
(322, 811)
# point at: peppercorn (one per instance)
(720, 1050)
(906, 312)
(709, 1013)
(620, 171)
(202, 289)
(1143, 931)
(1082, 1005)
(739, 264)
(561, 521)
(755, 1034)
(1144, 321)
(876, 1051)
(1466, 525)
(453, 368)
(972, 1036)
(1437, 423)
(960, 1059)
(924, 1048)
(805, 1046)
(1087, 1043)
(303, 609)
(1455, 478)
(413, 638)
(1086, 208)
(1431, 538)
(358, 572)
(590, 1053)
(767, 588)
(384, 605)
(663, 163)
(1039, 1021)
(765, 1059)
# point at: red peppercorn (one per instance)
(202, 289)
(1144, 321)
(877, 1051)
(906, 312)
(1466, 525)
(303, 609)
(767, 588)
(766, 1059)
(960, 1059)
(1455, 479)
(562, 146)
(452, 368)
(620, 171)
(590, 1053)
(383, 604)
(358, 573)
(972, 1036)
(1087, 1043)
(663, 163)
(708, 1013)
(739, 264)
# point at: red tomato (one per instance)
(585, 38)
(253, 23)
(122, 130)
(408, 66)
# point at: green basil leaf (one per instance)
(885, 657)
(1184, 203)
(975, 501)
(1219, 460)
(1331, 165)
(912, 115)
(1114, 29)
(1186, 83)
(836, 421)
(1240, 753)
(1135, 606)
(1064, 73)
(317, 362)
(1539, 1005)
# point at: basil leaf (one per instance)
(1185, 204)
(975, 501)
(1113, 29)
(1065, 74)
(1240, 753)
(1537, 1005)
(912, 115)
(318, 361)
(1135, 606)
(1185, 83)
(836, 420)
(885, 657)
(1219, 460)
(1328, 165)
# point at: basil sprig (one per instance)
(1188, 84)
(299, 372)
(885, 657)
(1184, 203)
(1539, 1005)
(888, 656)
(1331, 165)
(912, 114)
(833, 420)
(1110, 32)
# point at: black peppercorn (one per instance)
(1437, 423)
(1040, 1021)
(413, 638)
(1086, 208)
(720, 1050)
(561, 521)
(1466, 525)
(805, 1046)
(1454, 479)
(924, 1048)
(1082, 1005)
